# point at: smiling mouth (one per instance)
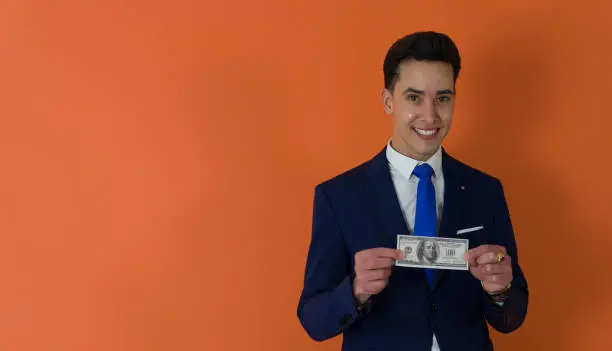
(428, 133)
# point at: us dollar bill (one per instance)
(432, 252)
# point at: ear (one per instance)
(387, 99)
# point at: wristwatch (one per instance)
(500, 296)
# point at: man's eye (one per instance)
(443, 98)
(413, 98)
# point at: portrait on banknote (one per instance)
(428, 251)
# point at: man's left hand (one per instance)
(491, 265)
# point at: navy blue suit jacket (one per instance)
(359, 210)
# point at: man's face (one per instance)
(421, 105)
(428, 250)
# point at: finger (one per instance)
(378, 263)
(492, 278)
(496, 268)
(497, 278)
(486, 258)
(382, 252)
(366, 264)
(374, 287)
(471, 260)
(378, 274)
(478, 251)
(491, 257)
(472, 255)
(478, 273)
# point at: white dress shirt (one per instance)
(406, 183)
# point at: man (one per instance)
(413, 186)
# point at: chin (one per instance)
(428, 150)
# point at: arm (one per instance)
(326, 306)
(511, 314)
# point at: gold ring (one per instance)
(500, 257)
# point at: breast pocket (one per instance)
(476, 234)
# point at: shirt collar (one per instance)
(405, 165)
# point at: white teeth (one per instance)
(426, 132)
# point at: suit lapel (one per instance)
(384, 199)
(454, 202)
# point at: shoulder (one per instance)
(355, 176)
(351, 176)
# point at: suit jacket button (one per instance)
(433, 307)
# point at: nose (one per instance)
(430, 112)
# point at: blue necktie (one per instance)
(425, 222)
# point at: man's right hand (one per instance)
(372, 271)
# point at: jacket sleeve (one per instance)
(326, 306)
(512, 313)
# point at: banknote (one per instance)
(432, 252)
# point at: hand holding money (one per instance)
(491, 265)
(372, 271)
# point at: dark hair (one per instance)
(420, 46)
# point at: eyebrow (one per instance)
(421, 92)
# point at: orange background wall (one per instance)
(158, 160)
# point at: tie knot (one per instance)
(423, 171)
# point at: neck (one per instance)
(404, 149)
